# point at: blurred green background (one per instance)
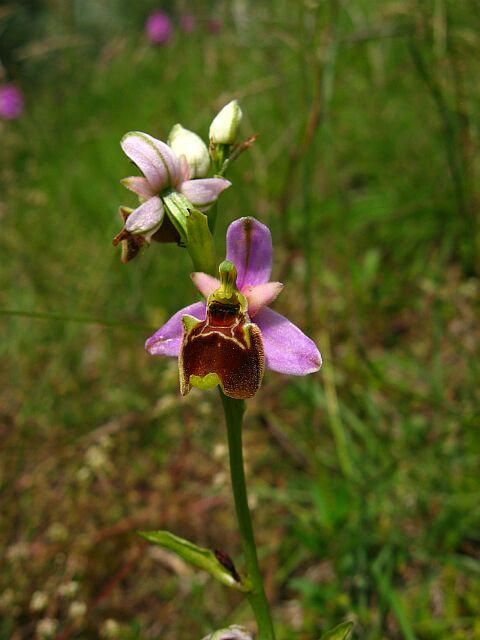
(364, 478)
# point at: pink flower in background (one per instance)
(11, 102)
(158, 27)
(214, 25)
(187, 22)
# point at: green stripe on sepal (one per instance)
(177, 208)
(218, 564)
(338, 633)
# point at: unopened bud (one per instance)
(186, 143)
(223, 129)
(232, 633)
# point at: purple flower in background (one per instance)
(11, 101)
(286, 348)
(158, 27)
(214, 25)
(187, 22)
(162, 170)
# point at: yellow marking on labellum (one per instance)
(207, 382)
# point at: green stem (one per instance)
(234, 410)
(218, 170)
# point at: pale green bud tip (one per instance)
(227, 293)
(187, 143)
(228, 278)
(223, 129)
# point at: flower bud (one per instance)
(223, 129)
(234, 632)
(186, 143)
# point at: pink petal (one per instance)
(261, 295)
(205, 284)
(204, 192)
(167, 340)
(184, 169)
(146, 218)
(154, 158)
(249, 247)
(287, 349)
(139, 185)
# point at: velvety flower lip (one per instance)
(249, 246)
(225, 348)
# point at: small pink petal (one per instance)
(154, 158)
(261, 295)
(167, 340)
(146, 218)
(203, 192)
(184, 168)
(138, 185)
(205, 284)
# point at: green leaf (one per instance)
(200, 242)
(338, 633)
(218, 564)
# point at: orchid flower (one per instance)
(164, 172)
(228, 339)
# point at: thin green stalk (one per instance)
(218, 170)
(212, 217)
(234, 410)
(457, 164)
(333, 409)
